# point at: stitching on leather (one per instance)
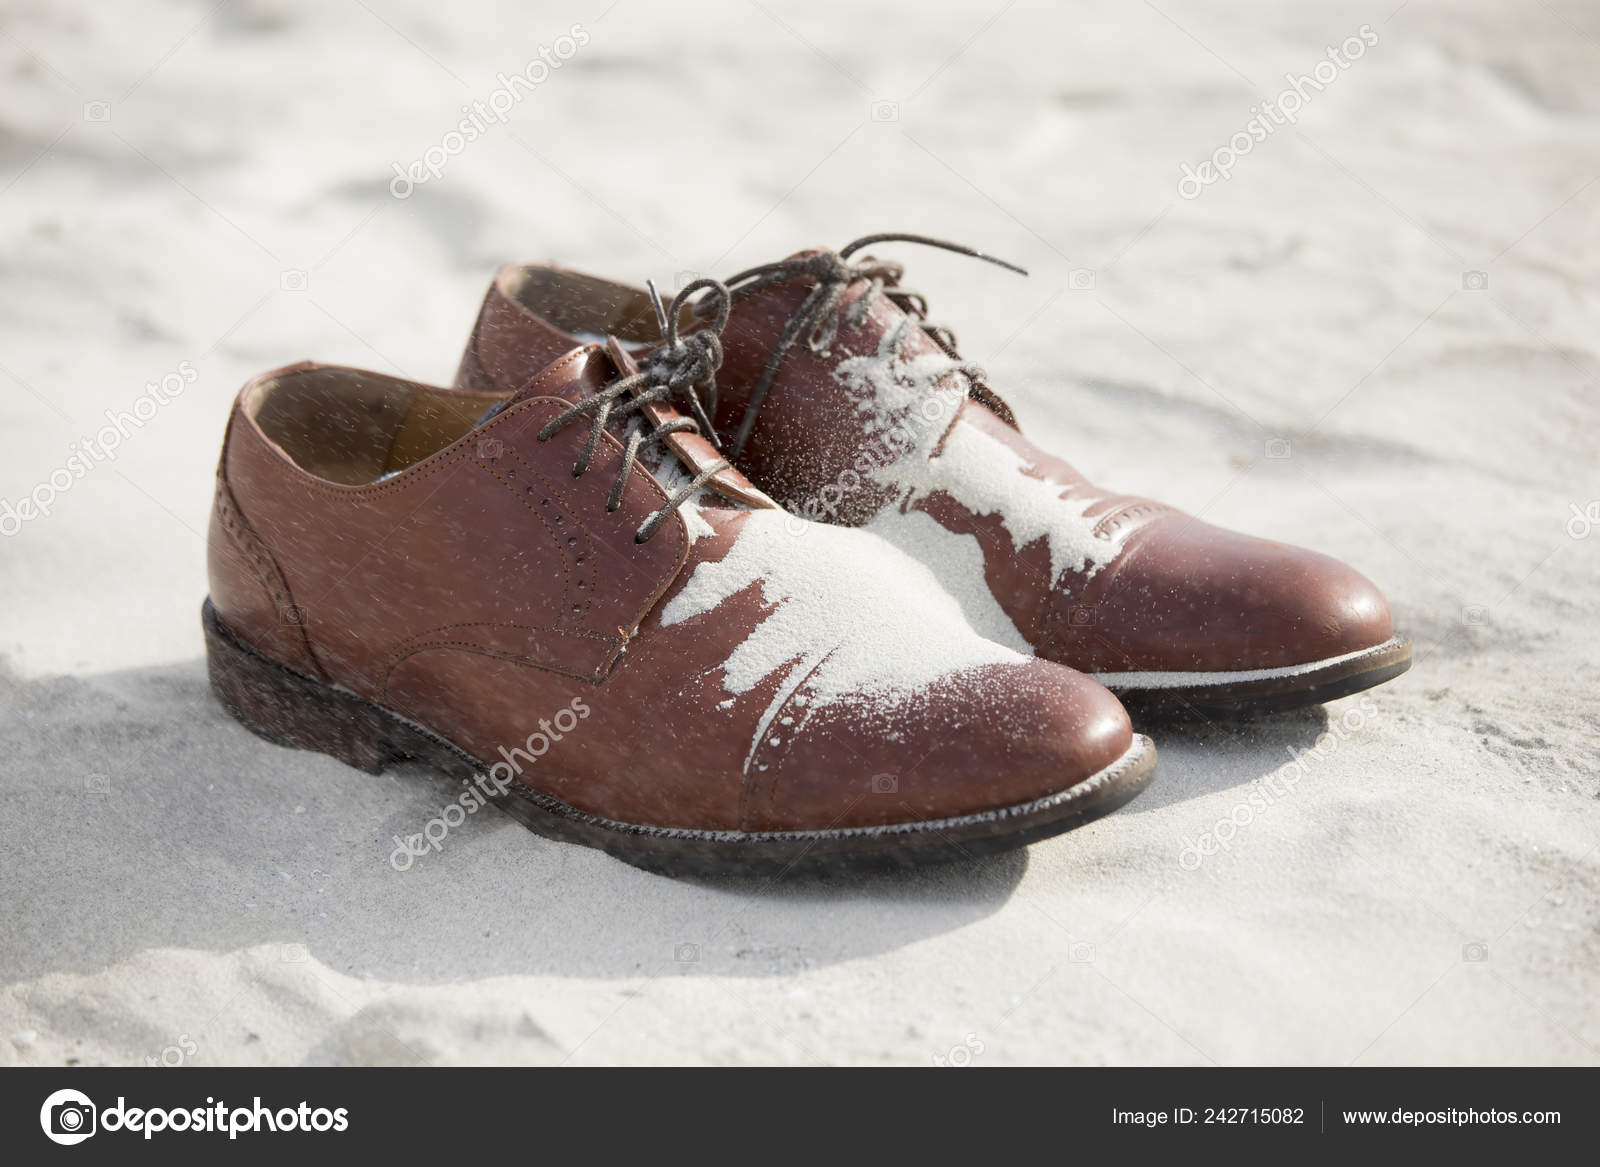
(259, 561)
(593, 678)
(421, 642)
(588, 539)
(508, 624)
(1130, 512)
(755, 788)
(237, 557)
(519, 495)
(677, 528)
(588, 536)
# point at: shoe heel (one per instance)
(291, 709)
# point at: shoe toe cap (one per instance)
(980, 739)
(1188, 596)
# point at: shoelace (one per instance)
(818, 318)
(680, 367)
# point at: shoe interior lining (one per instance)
(587, 307)
(354, 427)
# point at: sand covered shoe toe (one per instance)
(859, 663)
(841, 400)
(563, 595)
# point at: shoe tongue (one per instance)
(755, 307)
(693, 450)
(886, 360)
(581, 373)
(585, 371)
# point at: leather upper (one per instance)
(369, 534)
(882, 427)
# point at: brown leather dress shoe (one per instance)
(575, 604)
(842, 402)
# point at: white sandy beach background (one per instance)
(1377, 336)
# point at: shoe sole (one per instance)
(288, 708)
(1194, 696)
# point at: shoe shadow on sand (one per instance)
(1199, 757)
(140, 815)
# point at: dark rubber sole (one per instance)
(291, 709)
(1268, 691)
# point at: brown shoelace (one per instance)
(681, 367)
(818, 318)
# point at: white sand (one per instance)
(172, 887)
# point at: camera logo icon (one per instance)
(1477, 952)
(886, 111)
(1583, 520)
(1081, 279)
(97, 111)
(1279, 448)
(293, 280)
(1474, 281)
(885, 784)
(68, 1117)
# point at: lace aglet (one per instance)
(998, 262)
(661, 311)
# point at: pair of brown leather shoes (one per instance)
(766, 579)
